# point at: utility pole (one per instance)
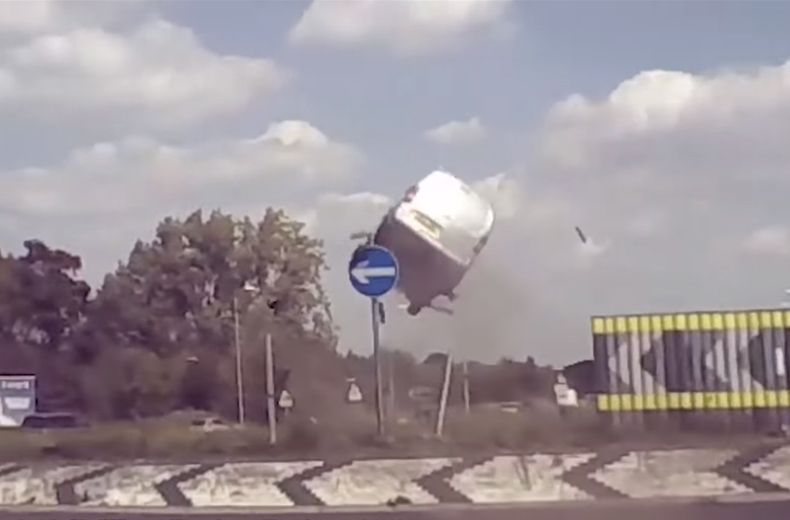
(239, 382)
(466, 386)
(250, 289)
(271, 411)
(443, 400)
(391, 382)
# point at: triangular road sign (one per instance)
(354, 394)
(286, 401)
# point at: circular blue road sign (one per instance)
(373, 271)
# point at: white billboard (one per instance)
(17, 399)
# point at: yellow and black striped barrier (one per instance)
(699, 361)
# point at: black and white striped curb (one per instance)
(497, 479)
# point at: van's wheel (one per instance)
(413, 309)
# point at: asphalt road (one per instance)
(762, 508)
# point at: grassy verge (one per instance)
(482, 431)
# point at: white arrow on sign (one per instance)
(362, 272)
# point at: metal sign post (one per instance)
(374, 303)
(466, 387)
(373, 272)
(391, 383)
(448, 367)
(239, 374)
(271, 412)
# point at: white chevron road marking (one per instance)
(371, 482)
(246, 484)
(521, 479)
(671, 473)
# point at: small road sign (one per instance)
(286, 402)
(354, 394)
(565, 395)
(373, 271)
(423, 393)
(17, 399)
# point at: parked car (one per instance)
(209, 424)
(53, 420)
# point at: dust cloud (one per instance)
(514, 301)
(488, 316)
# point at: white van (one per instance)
(436, 232)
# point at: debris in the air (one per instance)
(581, 234)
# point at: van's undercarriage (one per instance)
(424, 271)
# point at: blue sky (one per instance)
(558, 48)
(677, 175)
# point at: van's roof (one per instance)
(436, 175)
(442, 189)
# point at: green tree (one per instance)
(42, 308)
(131, 383)
(178, 291)
(175, 295)
(41, 300)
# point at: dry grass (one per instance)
(132, 441)
(537, 427)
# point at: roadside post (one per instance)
(270, 405)
(373, 272)
(448, 368)
(391, 384)
(465, 368)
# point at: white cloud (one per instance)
(457, 132)
(503, 192)
(705, 149)
(589, 251)
(337, 215)
(26, 17)
(405, 27)
(664, 207)
(771, 240)
(666, 148)
(668, 118)
(136, 173)
(646, 224)
(156, 76)
(672, 175)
